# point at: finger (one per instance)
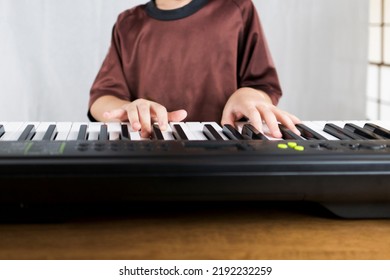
(254, 117)
(132, 115)
(145, 119)
(271, 121)
(228, 118)
(161, 115)
(177, 116)
(285, 119)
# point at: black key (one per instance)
(179, 132)
(2, 130)
(338, 132)
(82, 132)
(27, 133)
(211, 133)
(156, 132)
(250, 132)
(361, 131)
(125, 135)
(103, 134)
(378, 130)
(309, 133)
(288, 134)
(50, 133)
(232, 133)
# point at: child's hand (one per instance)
(141, 113)
(257, 107)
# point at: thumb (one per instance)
(177, 116)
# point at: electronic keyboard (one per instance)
(344, 166)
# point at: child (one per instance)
(199, 60)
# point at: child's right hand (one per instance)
(141, 113)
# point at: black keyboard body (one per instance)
(349, 177)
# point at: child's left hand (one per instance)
(257, 107)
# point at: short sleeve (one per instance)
(256, 67)
(110, 79)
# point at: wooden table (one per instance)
(199, 231)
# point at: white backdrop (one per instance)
(51, 50)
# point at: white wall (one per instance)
(51, 50)
(320, 48)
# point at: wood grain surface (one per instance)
(197, 231)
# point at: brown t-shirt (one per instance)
(191, 58)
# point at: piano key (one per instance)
(40, 131)
(211, 133)
(340, 133)
(93, 131)
(63, 130)
(130, 133)
(217, 128)
(125, 134)
(232, 133)
(309, 133)
(361, 131)
(168, 134)
(378, 130)
(103, 133)
(196, 129)
(250, 132)
(318, 126)
(156, 133)
(50, 133)
(2, 130)
(75, 131)
(288, 134)
(181, 131)
(266, 132)
(27, 133)
(336, 131)
(13, 130)
(82, 134)
(114, 131)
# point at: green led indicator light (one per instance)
(299, 148)
(282, 146)
(62, 148)
(292, 145)
(28, 148)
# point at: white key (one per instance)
(40, 130)
(11, 129)
(134, 135)
(93, 131)
(384, 124)
(63, 130)
(197, 130)
(17, 134)
(168, 134)
(74, 130)
(114, 131)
